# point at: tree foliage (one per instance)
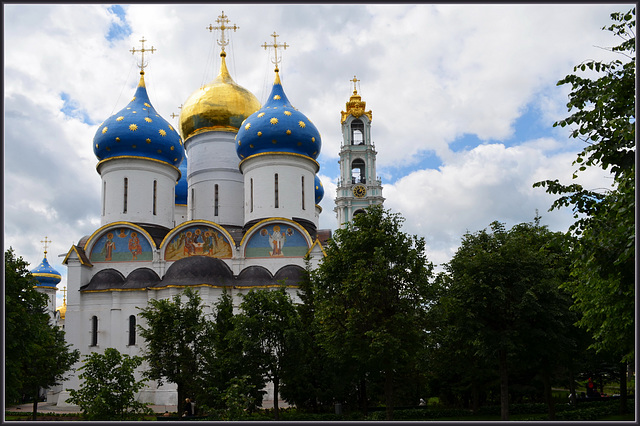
(268, 326)
(174, 336)
(109, 387)
(36, 354)
(500, 306)
(603, 113)
(371, 292)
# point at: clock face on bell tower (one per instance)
(359, 191)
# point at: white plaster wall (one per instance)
(141, 175)
(213, 160)
(261, 170)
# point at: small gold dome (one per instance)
(63, 310)
(221, 105)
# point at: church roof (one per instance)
(278, 127)
(45, 275)
(138, 131)
(196, 270)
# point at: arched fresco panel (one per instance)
(198, 240)
(276, 240)
(121, 245)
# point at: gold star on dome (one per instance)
(259, 133)
(148, 120)
(273, 121)
(117, 139)
(239, 143)
(120, 118)
(248, 126)
(146, 104)
(274, 141)
(133, 146)
(133, 127)
(104, 130)
(162, 132)
(313, 139)
(172, 148)
(171, 127)
(148, 140)
(250, 146)
(287, 113)
(302, 124)
(261, 114)
(159, 151)
(288, 132)
(277, 97)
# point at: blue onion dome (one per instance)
(45, 274)
(319, 189)
(278, 128)
(182, 186)
(137, 131)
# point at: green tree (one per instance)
(603, 111)
(371, 291)
(174, 335)
(36, 354)
(502, 305)
(267, 327)
(109, 387)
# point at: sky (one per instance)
(463, 99)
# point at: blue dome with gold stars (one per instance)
(182, 185)
(278, 128)
(319, 189)
(46, 275)
(138, 131)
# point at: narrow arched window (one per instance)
(94, 331)
(357, 132)
(215, 201)
(155, 195)
(132, 330)
(251, 195)
(126, 193)
(302, 192)
(276, 191)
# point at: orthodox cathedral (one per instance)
(229, 201)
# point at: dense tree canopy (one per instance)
(36, 354)
(371, 291)
(174, 335)
(109, 387)
(603, 113)
(499, 304)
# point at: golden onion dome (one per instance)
(221, 105)
(63, 310)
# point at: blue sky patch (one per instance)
(71, 109)
(120, 28)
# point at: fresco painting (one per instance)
(198, 240)
(277, 240)
(121, 245)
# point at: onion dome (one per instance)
(182, 186)
(319, 189)
(45, 274)
(137, 131)
(221, 105)
(62, 309)
(278, 128)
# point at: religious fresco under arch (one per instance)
(198, 240)
(121, 245)
(277, 240)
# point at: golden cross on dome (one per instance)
(355, 80)
(142, 50)
(64, 295)
(275, 46)
(45, 245)
(176, 115)
(222, 20)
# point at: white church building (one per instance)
(229, 201)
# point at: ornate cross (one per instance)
(275, 46)
(64, 295)
(355, 80)
(45, 245)
(142, 50)
(222, 20)
(173, 115)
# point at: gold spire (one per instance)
(275, 46)
(142, 50)
(355, 106)
(222, 20)
(45, 246)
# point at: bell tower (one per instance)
(358, 186)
